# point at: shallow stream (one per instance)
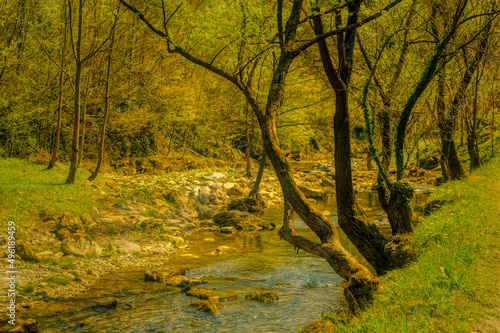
(306, 285)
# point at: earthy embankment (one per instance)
(454, 285)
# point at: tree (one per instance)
(55, 149)
(106, 103)
(361, 281)
(80, 59)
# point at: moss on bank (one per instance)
(454, 285)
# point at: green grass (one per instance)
(58, 279)
(27, 188)
(28, 289)
(454, 284)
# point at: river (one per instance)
(306, 285)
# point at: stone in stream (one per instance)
(200, 292)
(263, 296)
(241, 221)
(224, 249)
(178, 281)
(162, 274)
(108, 303)
(207, 306)
(312, 193)
(228, 297)
(228, 230)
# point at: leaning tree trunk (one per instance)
(258, 179)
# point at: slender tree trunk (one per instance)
(78, 79)
(106, 110)
(55, 149)
(440, 110)
(493, 131)
(248, 170)
(472, 129)
(84, 119)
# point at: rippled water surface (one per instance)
(306, 286)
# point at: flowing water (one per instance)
(306, 285)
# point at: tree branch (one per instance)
(318, 38)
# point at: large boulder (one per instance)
(80, 245)
(25, 251)
(253, 205)
(237, 191)
(241, 221)
(44, 255)
(205, 213)
(71, 223)
(124, 247)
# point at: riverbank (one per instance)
(454, 285)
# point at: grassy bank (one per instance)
(454, 285)
(26, 189)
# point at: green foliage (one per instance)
(405, 191)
